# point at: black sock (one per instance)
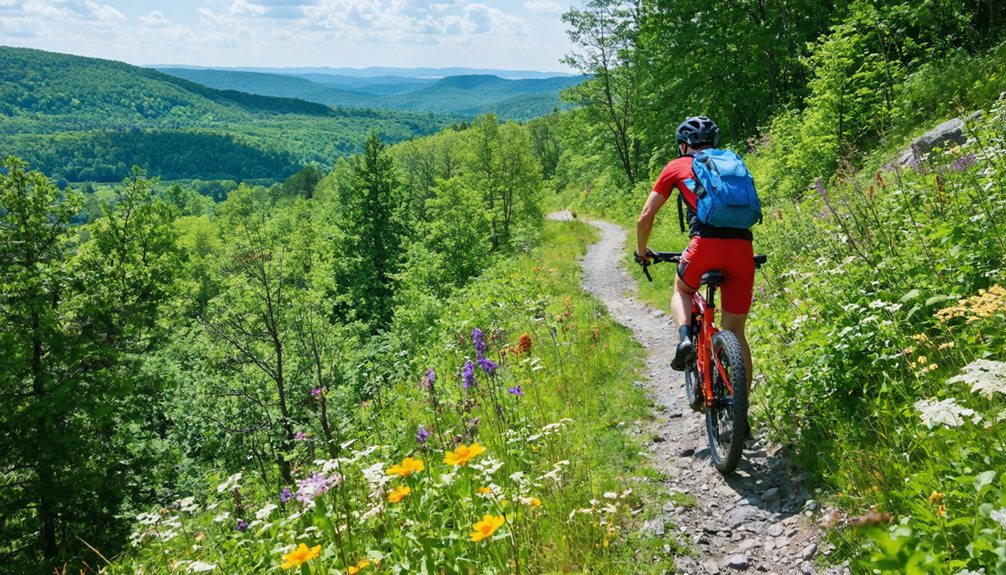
(684, 332)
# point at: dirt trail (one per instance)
(758, 520)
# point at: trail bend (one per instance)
(761, 519)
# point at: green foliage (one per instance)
(81, 310)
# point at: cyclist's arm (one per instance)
(644, 226)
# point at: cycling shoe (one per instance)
(681, 355)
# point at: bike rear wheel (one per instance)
(727, 419)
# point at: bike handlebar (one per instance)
(675, 257)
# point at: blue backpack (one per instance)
(724, 190)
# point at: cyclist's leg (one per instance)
(738, 286)
(685, 285)
(681, 302)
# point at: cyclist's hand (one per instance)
(643, 260)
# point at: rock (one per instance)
(810, 505)
(807, 568)
(775, 530)
(654, 527)
(809, 551)
(742, 514)
(738, 562)
(686, 565)
(770, 494)
(687, 452)
(949, 133)
(711, 567)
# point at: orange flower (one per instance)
(524, 343)
(353, 570)
(941, 511)
(935, 497)
(300, 555)
(407, 467)
(399, 494)
(485, 490)
(463, 454)
(486, 527)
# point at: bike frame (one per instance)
(704, 309)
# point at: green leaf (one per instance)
(984, 479)
(910, 296)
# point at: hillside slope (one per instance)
(92, 102)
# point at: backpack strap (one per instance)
(681, 202)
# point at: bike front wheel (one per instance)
(727, 419)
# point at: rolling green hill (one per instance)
(467, 95)
(102, 110)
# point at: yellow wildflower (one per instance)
(535, 502)
(485, 490)
(486, 527)
(364, 563)
(463, 454)
(921, 338)
(399, 494)
(941, 511)
(300, 555)
(407, 467)
(948, 345)
(353, 570)
(922, 360)
(935, 497)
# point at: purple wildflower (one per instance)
(309, 489)
(489, 366)
(516, 390)
(431, 376)
(285, 495)
(468, 374)
(964, 162)
(300, 436)
(242, 525)
(480, 344)
(422, 434)
(316, 392)
(824, 193)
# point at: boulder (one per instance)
(949, 133)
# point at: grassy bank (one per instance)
(561, 485)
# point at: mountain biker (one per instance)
(728, 250)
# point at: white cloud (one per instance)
(542, 7)
(155, 20)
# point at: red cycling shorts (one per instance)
(734, 258)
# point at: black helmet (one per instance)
(697, 131)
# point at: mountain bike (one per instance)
(715, 381)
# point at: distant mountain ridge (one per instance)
(467, 95)
(87, 119)
(377, 71)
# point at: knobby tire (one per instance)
(726, 420)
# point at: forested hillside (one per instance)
(465, 95)
(98, 110)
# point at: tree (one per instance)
(77, 320)
(604, 35)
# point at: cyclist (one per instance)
(728, 250)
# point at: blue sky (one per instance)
(507, 34)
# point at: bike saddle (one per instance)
(712, 277)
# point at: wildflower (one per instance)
(265, 512)
(428, 379)
(477, 339)
(999, 516)
(516, 390)
(947, 345)
(285, 495)
(422, 434)
(300, 555)
(486, 527)
(946, 412)
(524, 343)
(485, 490)
(823, 192)
(986, 377)
(242, 525)
(922, 360)
(309, 489)
(300, 436)
(230, 483)
(941, 511)
(935, 497)
(489, 366)
(407, 467)
(315, 392)
(463, 454)
(200, 567)
(532, 501)
(964, 162)
(399, 494)
(468, 374)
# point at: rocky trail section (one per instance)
(761, 519)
